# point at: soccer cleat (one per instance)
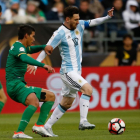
(18, 135)
(86, 125)
(49, 130)
(39, 129)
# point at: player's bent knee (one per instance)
(50, 97)
(34, 103)
(32, 100)
(67, 105)
(89, 90)
(47, 95)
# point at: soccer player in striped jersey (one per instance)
(69, 38)
(3, 97)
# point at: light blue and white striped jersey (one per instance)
(70, 46)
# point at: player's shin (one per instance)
(28, 113)
(56, 115)
(84, 105)
(44, 112)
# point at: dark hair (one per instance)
(25, 29)
(70, 11)
(0, 8)
(127, 36)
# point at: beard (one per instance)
(72, 27)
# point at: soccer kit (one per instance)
(16, 68)
(69, 43)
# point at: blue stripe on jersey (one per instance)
(77, 51)
(66, 65)
(81, 34)
(86, 24)
(55, 41)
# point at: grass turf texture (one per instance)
(67, 126)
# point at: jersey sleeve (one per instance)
(84, 23)
(35, 49)
(17, 51)
(94, 22)
(55, 40)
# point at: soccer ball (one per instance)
(116, 126)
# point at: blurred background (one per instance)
(100, 43)
(111, 51)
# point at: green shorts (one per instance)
(18, 91)
(0, 85)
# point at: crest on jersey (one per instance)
(75, 41)
(77, 32)
(21, 49)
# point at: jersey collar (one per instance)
(68, 28)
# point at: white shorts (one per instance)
(72, 83)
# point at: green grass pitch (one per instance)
(67, 126)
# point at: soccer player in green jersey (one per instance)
(17, 89)
(3, 97)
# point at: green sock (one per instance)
(44, 112)
(28, 113)
(1, 106)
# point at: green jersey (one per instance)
(18, 59)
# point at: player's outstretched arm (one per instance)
(48, 50)
(35, 49)
(28, 60)
(101, 20)
(32, 69)
(42, 55)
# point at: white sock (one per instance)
(84, 105)
(56, 115)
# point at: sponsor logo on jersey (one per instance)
(21, 49)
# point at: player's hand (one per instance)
(49, 69)
(48, 49)
(31, 69)
(110, 12)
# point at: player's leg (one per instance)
(77, 82)
(19, 92)
(48, 98)
(3, 98)
(58, 112)
(61, 108)
(84, 106)
(32, 102)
